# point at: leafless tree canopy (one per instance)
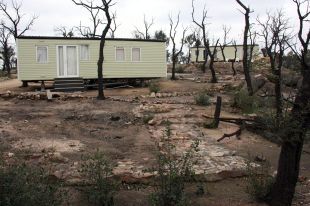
(104, 7)
(64, 31)
(94, 11)
(203, 27)
(114, 25)
(172, 34)
(144, 34)
(223, 45)
(14, 19)
(275, 35)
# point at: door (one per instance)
(67, 61)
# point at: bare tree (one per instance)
(64, 31)
(203, 28)
(225, 43)
(173, 32)
(197, 44)
(246, 60)
(114, 26)
(212, 54)
(299, 121)
(189, 41)
(14, 19)
(95, 14)
(105, 6)
(146, 33)
(234, 43)
(274, 33)
(206, 41)
(6, 50)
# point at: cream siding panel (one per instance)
(152, 64)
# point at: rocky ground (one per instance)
(56, 134)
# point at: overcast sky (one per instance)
(52, 13)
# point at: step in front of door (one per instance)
(68, 84)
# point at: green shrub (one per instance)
(173, 173)
(23, 185)
(259, 182)
(203, 99)
(248, 104)
(97, 171)
(154, 86)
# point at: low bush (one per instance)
(97, 171)
(173, 173)
(154, 86)
(23, 185)
(248, 104)
(259, 182)
(203, 99)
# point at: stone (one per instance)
(10, 154)
(158, 95)
(49, 95)
(152, 122)
(153, 95)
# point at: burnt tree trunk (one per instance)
(197, 54)
(245, 55)
(278, 93)
(211, 65)
(7, 61)
(222, 51)
(246, 60)
(173, 66)
(205, 56)
(101, 54)
(233, 68)
(217, 112)
(212, 56)
(234, 60)
(289, 161)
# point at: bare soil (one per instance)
(56, 134)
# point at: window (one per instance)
(84, 55)
(136, 54)
(120, 54)
(42, 54)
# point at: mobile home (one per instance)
(229, 53)
(50, 58)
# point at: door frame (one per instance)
(65, 55)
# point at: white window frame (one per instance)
(37, 55)
(119, 47)
(65, 54)
(140, 54)
(88, 56)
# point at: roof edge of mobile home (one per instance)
(193, 47)
(92, 38)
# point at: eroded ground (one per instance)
(56, 134)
